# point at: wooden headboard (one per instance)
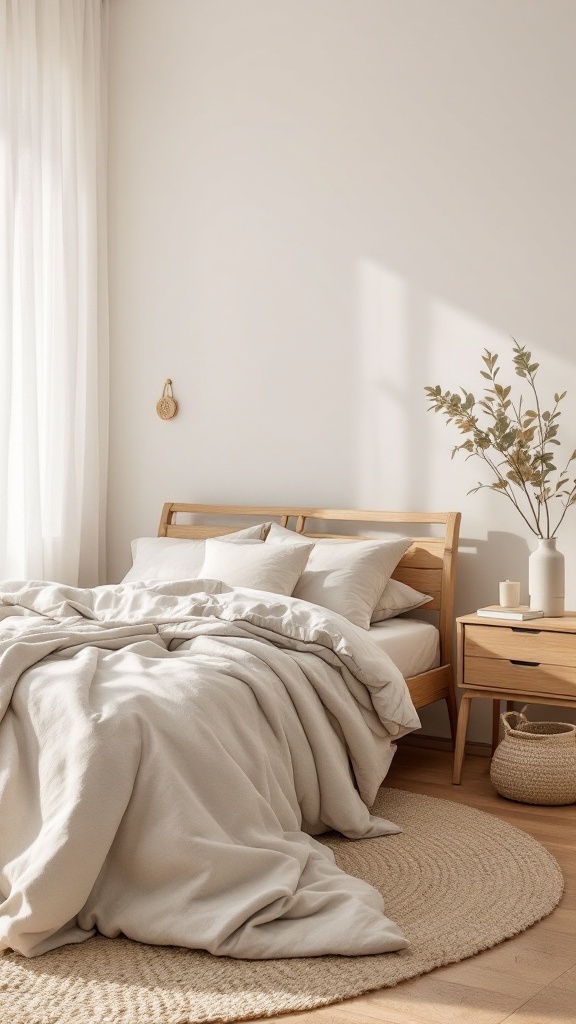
(428, 565)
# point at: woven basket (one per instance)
(536, 761)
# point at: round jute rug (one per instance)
(456, 880)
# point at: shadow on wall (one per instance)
(477, 560)
(407, 339)
(392, 327)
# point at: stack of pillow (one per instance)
(348, 577)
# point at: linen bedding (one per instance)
(413, 645)
(168, 751)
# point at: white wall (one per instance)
(317, 207)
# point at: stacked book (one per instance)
(498, 611)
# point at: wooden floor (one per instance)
(530, 979)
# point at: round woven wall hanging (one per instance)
(167, 406)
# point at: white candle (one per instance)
(509, 594)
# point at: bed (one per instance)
(429, 565)
(169, 749)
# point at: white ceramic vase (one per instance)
(546, 578)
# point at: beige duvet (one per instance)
(167, 753)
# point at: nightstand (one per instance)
(503, 659)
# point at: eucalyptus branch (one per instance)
(571, 499)
(509, 458)
(535, 512)
(504, 402)
(521, 439)
(508, 493)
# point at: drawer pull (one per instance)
(531, 664)
(523, 629)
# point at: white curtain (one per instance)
(53, 290)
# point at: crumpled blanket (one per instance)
(168, 752)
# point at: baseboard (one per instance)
(443, 743)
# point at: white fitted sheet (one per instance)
(413, 645)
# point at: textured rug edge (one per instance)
(363, 989)
(308, 1000)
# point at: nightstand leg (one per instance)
(495, 724)
(496, 709)
(452, 714)
(461, 732)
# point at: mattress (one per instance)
(413, 645)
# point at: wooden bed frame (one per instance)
(428, 565)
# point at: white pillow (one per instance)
(346, 576)
(257, 566)
(397, 598)
(171, 558)
(280, 535)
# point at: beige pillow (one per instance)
(170, 558)
(397, 598)
(273, 568)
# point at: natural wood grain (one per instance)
(431, 1000)
(429, 686)
(555, 1004)
(533, 662)
(365, 516)
(540, 679)
(461, 732)
(427, 581)
(563, 623)
(508, 642)
(530, 979)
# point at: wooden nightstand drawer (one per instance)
(521, 644)
(532, 661)
(498, 674)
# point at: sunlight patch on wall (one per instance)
(408, 339)
(385, 393)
